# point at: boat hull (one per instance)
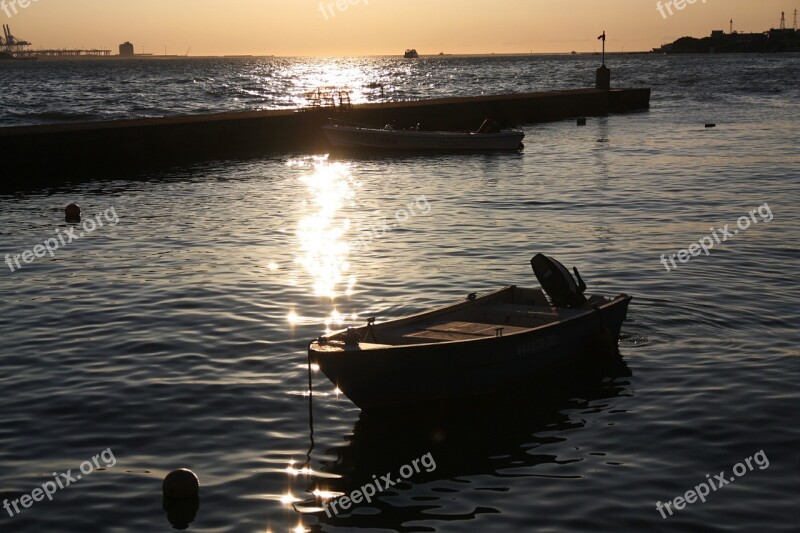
(414, 374)
(350, 137)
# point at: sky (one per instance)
(379, 27)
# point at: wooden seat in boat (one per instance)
(459, 331)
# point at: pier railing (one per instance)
(336, 98)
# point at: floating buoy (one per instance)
(581, 121)
(711, 125)
(72, 213)
(180, 484)
(181, 512)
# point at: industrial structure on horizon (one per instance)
(126, 49)
(13, 48)
(10, 45)
(781, 39)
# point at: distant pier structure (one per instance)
(19, 48)
(65, 53)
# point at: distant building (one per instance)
(126, 49)
(775, 40)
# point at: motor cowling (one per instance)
(558, 282)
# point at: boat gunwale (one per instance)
(382, 348)
(437, 134)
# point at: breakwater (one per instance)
(51, 154)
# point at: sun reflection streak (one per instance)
(305, 471)
(321, 234)
(289, 498)
(326, 494)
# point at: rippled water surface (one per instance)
(175, 334)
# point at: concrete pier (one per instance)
(34, 156)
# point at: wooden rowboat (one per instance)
(473, 347)
(389, 139)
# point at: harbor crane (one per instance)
(10, 44)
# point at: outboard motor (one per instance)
(489, 126)
(558, 283)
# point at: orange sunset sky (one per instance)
(378, 27)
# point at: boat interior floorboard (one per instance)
(496, 319)
(458, 330)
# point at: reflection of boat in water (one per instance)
(477, 346)
(411, 54)
(487, 138)
(502, 441)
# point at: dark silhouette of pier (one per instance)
(52, 154)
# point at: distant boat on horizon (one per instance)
(411, 54)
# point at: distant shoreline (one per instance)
(655, 52)
(244, 56)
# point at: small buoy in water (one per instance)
(181, 512)
(72, 213)
(181, 483)
(711, 125)
(581, 121)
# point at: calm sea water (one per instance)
(175, 334)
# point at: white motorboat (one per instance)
(487, 138)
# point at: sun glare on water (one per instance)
(321, 234)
